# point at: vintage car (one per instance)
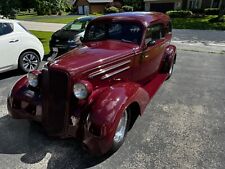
(96, 92)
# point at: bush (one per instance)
(212, 11)
(112, 9)
(179, 14)
(198, 11)
(127, 8)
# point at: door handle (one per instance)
(14, 41)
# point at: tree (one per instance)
(221, 13)
(8, 7)
(44, 7)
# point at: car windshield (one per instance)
(123, 31)
(76, 26)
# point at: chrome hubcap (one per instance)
(121, 129)
(171, 69)
(30, 62)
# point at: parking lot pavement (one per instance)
(182, 127)
(207, 41)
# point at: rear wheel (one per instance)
(29, 61)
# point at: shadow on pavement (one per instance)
(28, 138)
(9, 74)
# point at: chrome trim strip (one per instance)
(114, 73)
(104, 70)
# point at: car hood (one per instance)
(66, 34)
(92, 55)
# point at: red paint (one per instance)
(116, 74)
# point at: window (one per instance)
(154, 32)
(5, 28)
(76, 26)
(123, 31)
(168, 28)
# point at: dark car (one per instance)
(96, 92)
(68, 37)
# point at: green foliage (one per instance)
(212, 11)
(8, 8)
(112, 9)
(197, 23)
(136, 4)
(48, 7)
(127, 8)
(179, 14)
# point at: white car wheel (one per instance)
(29, 61)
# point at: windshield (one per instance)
(123, 31)
(76, 26)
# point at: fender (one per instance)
(170, 54)
(21, 83)
(108, 106)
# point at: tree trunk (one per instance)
(221, 13)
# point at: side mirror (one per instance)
(82, 39)
(151, 43)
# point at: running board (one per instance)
(155, 84)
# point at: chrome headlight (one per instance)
(32, 79)
(80, 91)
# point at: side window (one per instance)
(168, 28)
(154, 32)
(5, 28)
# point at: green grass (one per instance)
(44, 37)
(197, 23)
(48, 18)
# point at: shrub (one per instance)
(112, 9)
(198, 11)
(179, 14)
(127, 8)
(212, 11)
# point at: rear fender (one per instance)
(170, 54)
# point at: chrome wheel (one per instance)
(29, 61)
(171, 69)
(121, 129)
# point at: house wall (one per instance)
(97, 7)
(177, 3)
(82, 3)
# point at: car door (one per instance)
(8, 45)
(152, 54)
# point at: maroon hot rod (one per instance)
(96, 92)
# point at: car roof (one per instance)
(85, 18)
(8, 21)
(144, 17)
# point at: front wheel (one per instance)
(29, 61)
(121, 131)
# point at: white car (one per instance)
(18, 47)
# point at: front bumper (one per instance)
(30, 107)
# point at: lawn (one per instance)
(44, 38)
(197, 23)
(48, 18)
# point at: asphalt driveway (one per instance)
(183, 126)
